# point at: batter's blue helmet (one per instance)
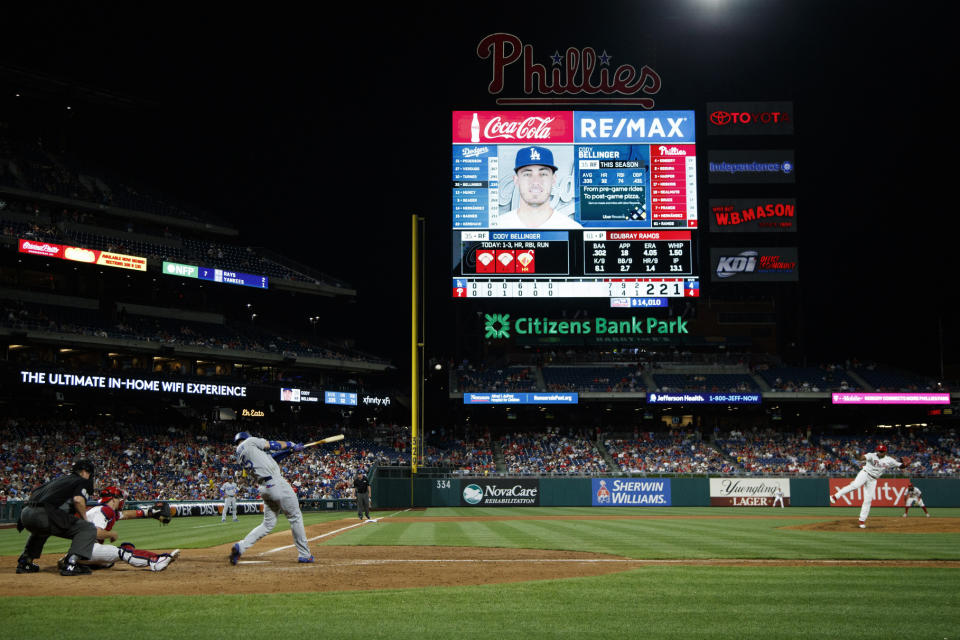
(242, 435)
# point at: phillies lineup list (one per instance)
(623, 199)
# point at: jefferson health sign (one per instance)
(614, 492)
(506, 492)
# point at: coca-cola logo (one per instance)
(532, 128)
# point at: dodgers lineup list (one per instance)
(624, 201)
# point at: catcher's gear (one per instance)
(161, 511)
(112, 492)
(881, 448)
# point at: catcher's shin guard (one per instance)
(143, 558)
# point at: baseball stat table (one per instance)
(570, 204)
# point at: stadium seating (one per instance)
(773, 452)
(664, 453)
(809, 379)
(550, 453)
(593, 378)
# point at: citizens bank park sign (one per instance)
(571, 76)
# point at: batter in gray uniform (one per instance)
(278, 496)
(229, 492)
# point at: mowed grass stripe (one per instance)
(663, 539)
(717, 603)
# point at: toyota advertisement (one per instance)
(750, 118)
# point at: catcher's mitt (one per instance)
(161, 511)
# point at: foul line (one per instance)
(333, 533)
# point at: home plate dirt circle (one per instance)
(347, 568)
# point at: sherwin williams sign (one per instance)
(499, 326)
(614, 492)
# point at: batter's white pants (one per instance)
(869, 485)
(279, 497)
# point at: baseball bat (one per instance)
(335, 438)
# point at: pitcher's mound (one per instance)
(911, 524)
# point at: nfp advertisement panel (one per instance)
(889, 492)
(506, 492)
(747, 492)
(614, 492)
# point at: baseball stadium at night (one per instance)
(440, 322)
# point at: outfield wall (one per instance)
(393, 492)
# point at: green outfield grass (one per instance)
(658, 601)
(763, 537)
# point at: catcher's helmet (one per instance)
(112, 492)
(881, 448)
(241, 435)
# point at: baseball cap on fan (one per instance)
(534, 155)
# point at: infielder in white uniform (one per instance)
(103, 516)
(278, 496)
(913, 498)
(875, 465)
(228, 490)
(778, 497)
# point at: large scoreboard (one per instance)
(571, 204)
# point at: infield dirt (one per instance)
(347, 568)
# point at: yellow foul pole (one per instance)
(414, 347)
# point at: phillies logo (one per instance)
(723, 118)
(575, 71)
(532, 128)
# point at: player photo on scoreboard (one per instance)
(537, 188)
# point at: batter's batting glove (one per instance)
(298, 446)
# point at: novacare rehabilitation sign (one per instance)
(508, 492)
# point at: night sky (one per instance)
(319, 134)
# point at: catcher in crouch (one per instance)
(104, 515)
